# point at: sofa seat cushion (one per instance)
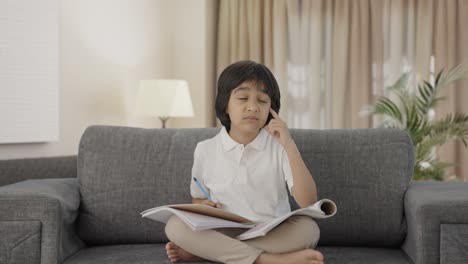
(123, 254)
(155, 253)
(362, 255)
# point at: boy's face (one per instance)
(248, 107)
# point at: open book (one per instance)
(201, 217)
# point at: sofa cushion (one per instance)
(123, 254)
(156, 254)
(362, 255)
(366, 172)
(123, 171)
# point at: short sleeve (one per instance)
(287, 171)
(197, 172)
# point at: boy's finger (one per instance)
(274, 114)
(218, 205)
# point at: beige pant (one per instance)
(219, 245)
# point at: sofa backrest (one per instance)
(125, 170)
(16, 170)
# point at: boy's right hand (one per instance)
(211, 203)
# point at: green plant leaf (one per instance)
(409, 111)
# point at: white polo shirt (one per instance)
(249, 181)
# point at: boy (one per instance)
(246, 169)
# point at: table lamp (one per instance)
(164, 99)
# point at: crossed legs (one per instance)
(290, 242)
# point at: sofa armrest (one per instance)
(39, 211)
(437, 218)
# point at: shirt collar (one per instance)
(258, 143)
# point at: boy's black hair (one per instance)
(237, 73)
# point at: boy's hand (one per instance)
(279, 129)
(211, 203)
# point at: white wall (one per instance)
(29, 72)
(107, 46)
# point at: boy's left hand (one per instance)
(279, 130)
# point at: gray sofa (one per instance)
(382, 216)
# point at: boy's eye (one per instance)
(246, 98)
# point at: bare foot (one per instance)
(306, 256)
(177, 254)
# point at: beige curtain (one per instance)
(353, 49)
(330, 63)
(255, 30)
(450, 48)
(343, 53)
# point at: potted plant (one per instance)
(412, 108)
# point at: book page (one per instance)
(195, 221)
(204, 222)
(211, 211)
(313, 211)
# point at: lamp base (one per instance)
(163, 120)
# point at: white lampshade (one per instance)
(164, 98)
